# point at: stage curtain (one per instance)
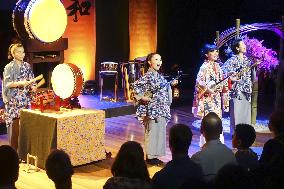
(81, 40)
(142, 27)
(112, 33)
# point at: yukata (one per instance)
(155, 114)
(210, 72)
(18, 98)
(240, 92)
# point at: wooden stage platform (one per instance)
(118, 130)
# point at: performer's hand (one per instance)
(209, 90)
(174, 82)
(34, 88)
(146, 99)
(27, 83)
(219, 88)
(234, 77)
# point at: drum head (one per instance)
(109, 66)
(47, 19)
(63, 81)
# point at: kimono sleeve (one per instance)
(7, 77)
(30, 74)
(139, 87)
(201, 77)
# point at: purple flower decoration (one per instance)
(256, 50)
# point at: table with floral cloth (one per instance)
(79, 132)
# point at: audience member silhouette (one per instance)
(9, 167)
(213, 155)
(181, 168)
(274, 148)
(129, 169)
(244, 136)
(274, 175)
(233, 176)
(193, 183)
(59, 169)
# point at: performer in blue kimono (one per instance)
(154, 96)
(15, 90)
(240, 93)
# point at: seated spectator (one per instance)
(274, 176)
(233, 177)
(129, 169)
(59, 169)
(9, 167)
(194, 183)
(274, 148)
(244, 136)
(181, 168)
(213, 155)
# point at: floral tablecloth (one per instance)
(79, 132)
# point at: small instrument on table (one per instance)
(67, 86)
(43, 100)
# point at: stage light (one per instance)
(176, 92)
(175, 118)
(47, 20)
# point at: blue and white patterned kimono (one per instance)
(155, 114)
(15, 99)
(240, 94)
(235, 64)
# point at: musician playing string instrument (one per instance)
(208, 96)
(15, 90)
(153, 95)
(240, 94)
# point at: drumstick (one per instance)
(38, 56)
(40, 83)
(36, 78)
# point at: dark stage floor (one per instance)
(111, 108)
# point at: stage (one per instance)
(111, 108)
(118, 130)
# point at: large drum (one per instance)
(67, 80)
(44, 20)
(134, 70)
(109, 67)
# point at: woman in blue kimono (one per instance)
(241, 90)
(154, 96)
(15, 90)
